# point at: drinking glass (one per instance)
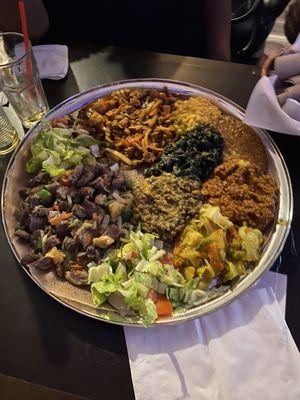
(19, 79)
(8, 135)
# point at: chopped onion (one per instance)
(159, 244)
(82, 131)
(119, 223)
(94, 225)
(114, 167)
(120, 199)
(105, 221)
(69, 198)
(74, 114)
(116, 195)
(95, 150)
(92, 264)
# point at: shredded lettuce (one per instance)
(55, 150)
(148, 272)
(251, 240)
(212, 219)
(191, 295)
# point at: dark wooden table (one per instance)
(48, 345)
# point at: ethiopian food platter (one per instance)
(146, 202)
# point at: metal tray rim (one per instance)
(281, 231)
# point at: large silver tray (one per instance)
(79, 299)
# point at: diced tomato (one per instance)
(167, 259)
(153, 295)
(164, 307)
(133, 254)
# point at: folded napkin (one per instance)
(52, 62)
(243, 351)
(268, 110)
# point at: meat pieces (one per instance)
(52, 241)
(242, 193)
(36, 223)
(23, 235)
(43, 263)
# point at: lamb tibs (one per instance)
(74, 220)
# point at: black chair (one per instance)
(251, 23)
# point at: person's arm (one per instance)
(292, 21)
(36, 15)
(217, 22)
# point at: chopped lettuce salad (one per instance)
(55, 150)
(141, 279)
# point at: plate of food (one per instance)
(146, 202)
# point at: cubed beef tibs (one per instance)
(85, 239)
(86, 176)
(24, 192)
(82, 258)
(100, 199)
(99, 169)
(29, 258)
(51, 241)
(43, 263)
(99, 184)
(108, 177)
(69, 245)
(36, 223)
(21, 215)
(41, 177)
(52, 187)
(75, 174)
(37, 234)
(62, 192)
(64, 205)
(23, 235)
(63, 229)
(118, 181)
(86, 191)
(113, 231)
(92, 253)
(40, 211)
(89, 207)
(60, 270)
(78, 277)
(78, 211)
(33, 201)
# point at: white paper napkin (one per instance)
(264, 111)
(241, 352)
(52, 62)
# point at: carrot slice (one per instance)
(164, 307)
(61, 217)
(214, 258)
